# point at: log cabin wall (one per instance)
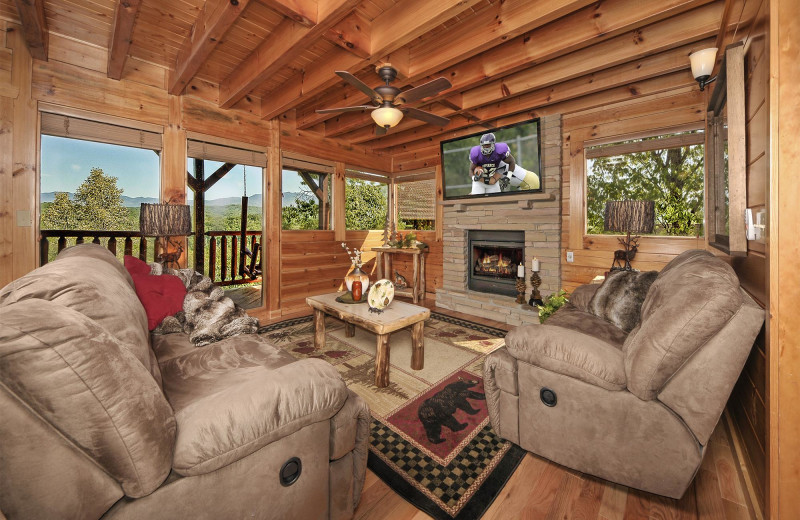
(75, 77)
(748, 404)
(593, 254)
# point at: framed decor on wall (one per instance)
(726, 157)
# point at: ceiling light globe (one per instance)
(387, 116)
(703, 62)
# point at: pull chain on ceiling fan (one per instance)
(387, 109)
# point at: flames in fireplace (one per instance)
(496, 264)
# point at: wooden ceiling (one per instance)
(506, 59)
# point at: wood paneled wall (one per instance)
(748, 404)
(75, 78)
(594, 254)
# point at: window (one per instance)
(94, 178)
(416, 204)
(225, 181)
(306, 199)
(667, 169)
(366, 201)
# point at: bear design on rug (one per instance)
(438, 410)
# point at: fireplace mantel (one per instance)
(522, 201)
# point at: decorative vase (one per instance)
(381, 294)
(356, 290)
(357, 274)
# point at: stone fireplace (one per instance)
(493, 259)
(536, 221)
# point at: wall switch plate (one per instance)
(570, 256)
(24, 218)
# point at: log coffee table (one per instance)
(396, 316)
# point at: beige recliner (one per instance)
(637, 409)
(96, 423)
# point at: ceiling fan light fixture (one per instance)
(387, 117)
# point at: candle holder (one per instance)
(521, 289)
(536, 297)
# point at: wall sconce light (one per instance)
(702, 65)
(387, 116)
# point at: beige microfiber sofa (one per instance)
(637, 408)
(94, 422)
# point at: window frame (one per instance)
(593, 150)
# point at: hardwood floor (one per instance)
(540, 489)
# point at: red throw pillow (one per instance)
(161, 296)
(135, 266)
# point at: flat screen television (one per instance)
(471, 169)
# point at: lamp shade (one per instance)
(703, 62)
(387, 116)
(165, 220)
(635, 216)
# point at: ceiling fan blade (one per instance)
(430, 88)
(360, 85)
(360, 108)
(425, 116)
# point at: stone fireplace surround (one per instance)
(539, 218)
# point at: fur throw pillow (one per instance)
(619, 299)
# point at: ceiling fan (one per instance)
(387, 110)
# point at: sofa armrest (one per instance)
(582, 295)
(226, 426)
(570, 353)
(350, 435)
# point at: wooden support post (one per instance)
(382, 361)
(199, 217)
(418, 346)
(319, 329)
(339, 226)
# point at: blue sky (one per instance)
(67, 162)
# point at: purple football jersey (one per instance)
(490, 161)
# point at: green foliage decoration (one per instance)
(552, 303)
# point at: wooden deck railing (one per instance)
(128, 238)
(222, 246)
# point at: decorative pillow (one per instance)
(161, 296)
(135, 266)
(619, 299)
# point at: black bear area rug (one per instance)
(431, 440)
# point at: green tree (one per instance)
(671, 177)
(97, 206)
(60, 214)
(365, 204)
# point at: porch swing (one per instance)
(253, 268)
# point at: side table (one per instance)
(383, 260)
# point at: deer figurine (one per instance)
(631, 245)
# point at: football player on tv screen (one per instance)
(494, 169)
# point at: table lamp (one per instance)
(628, 216)
(165, 221)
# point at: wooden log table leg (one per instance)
(379, 264)
(382, 361)
(417, 346)
(319, 329)
(422, 275)
(415, 280)
(349, 330)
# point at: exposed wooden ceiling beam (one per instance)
(282, 46)
(34, 27)
(392, 29)
(578, 30)
(651, 87)
(628, 75)
(686, 27)
(121, 36)
(216, 17)
(501, 22)
(352, 34)
(303, 12)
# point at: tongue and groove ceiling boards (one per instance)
(507, 60)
